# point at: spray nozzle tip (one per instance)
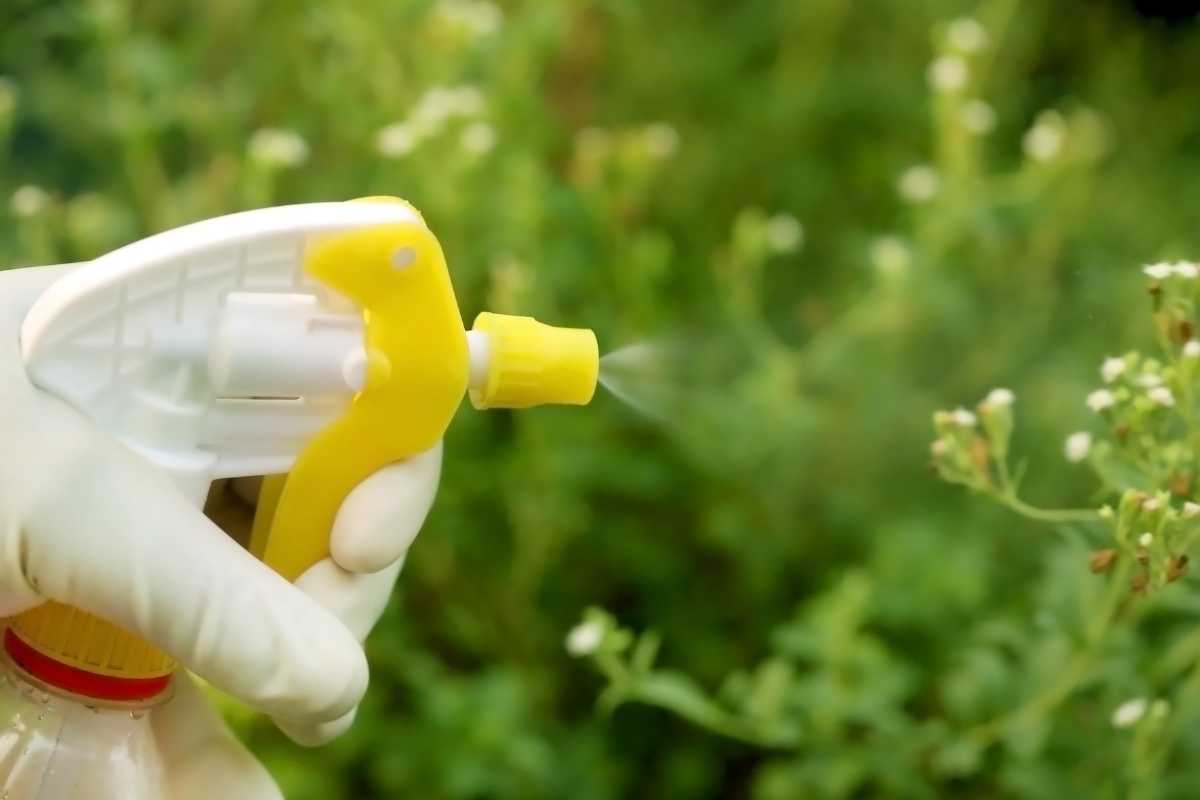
(523, 363)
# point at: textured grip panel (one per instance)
(86, 642)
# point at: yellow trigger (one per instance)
(417, 367)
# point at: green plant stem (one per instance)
(711, 717)
(627, 686)
(1005, 494)
(1018, 505)
(1008, 499)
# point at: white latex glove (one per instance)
(87, 522)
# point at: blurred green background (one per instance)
(852, 213)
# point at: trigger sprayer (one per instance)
(312, 343)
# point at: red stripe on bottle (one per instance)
(80, 681)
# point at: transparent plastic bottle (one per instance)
(67, 733)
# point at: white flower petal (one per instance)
(1077, 446)
(1162, 396)
(918, 183)
(948, 73)
(1112, 368)
(584, 638)
(278, 147)
(1000, 397)
(1101, 399)
(1160, 271)
(963, 418)
(967, 35)
(784, 233)
(978, 117)
(396, 140)
(478, 138)
(1129, 713)
(29, 200)
(1044, 141)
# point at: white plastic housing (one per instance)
(207, 348)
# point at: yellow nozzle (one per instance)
(528, 363)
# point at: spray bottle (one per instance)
(313, 344)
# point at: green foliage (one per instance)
(848, 214)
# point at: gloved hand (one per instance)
(85, 521)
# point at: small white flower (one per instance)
(918, 183)
(1162, 396)
(999, 397)
(1077, 446)
(1112, 368)
(29, 200)
(1185, 269)
(967, 34)
(1160, 271)
(1044, 141)
(433, 107)
(486, 18)
(978, 117)
(890, 255)
(438, 104)
(1106, 512)
(1129, 713)
(278, 147)
(948, 73)
(479, 17)
(1146, 539)
(939, 448)
(1101, 399)
(1151, 504)
(1191, 510)
(1191, 349)
(1148, 380)
(584, 638)
(962, 418)
(662, 140)
(784, 233)
(396, 140)
(478, 138)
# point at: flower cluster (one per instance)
(29, 200)
(972, 446)
(1145, 456)
(1153, 534)
(1135, 387)
(1133, 711)
(918, 184)
(1044, 140)
(953, 73)
(277, 147)
(477, 17)
(430, 115)
(1163, 270)
(891, 256)
(1074, 136)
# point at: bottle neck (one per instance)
(73, 680)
